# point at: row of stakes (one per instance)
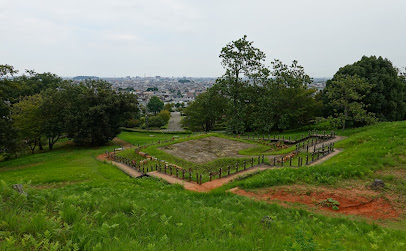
(167, 169)
(325, 150)
(310, 134)
(313, 144)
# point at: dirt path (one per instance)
(325, 143)
(122, 143)
(336, 151)
(126, 169)
(207, 186)
(174, 123)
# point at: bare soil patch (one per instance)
(353, 201)
(206, 149)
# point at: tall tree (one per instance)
(206, 111)
(387, 96)
(96, 112)
(8, 139)
(244, 66)
(54, 114)
(26, 116)
(346, 94)
(155, 105)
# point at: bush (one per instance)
(165, 115)
(133, 123)
(156, 121)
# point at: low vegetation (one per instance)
(366, 150)
(82, 203)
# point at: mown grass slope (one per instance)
(366, 150)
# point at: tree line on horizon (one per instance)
(251, 97)
(37, 109)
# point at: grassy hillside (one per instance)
(77, 202)
(366, 150)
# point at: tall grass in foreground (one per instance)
(148, 214)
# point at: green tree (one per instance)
(54, 114)
(244, 67)
(26, 116)
(96, 112)
(155, 105)
(387, 96)
(168, 107)
(8, 139)
(207, 111)
(346, 94)
(165, 115)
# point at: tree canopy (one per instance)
(387, 95)
(155, 105)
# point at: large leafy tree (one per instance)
(155, 105)
(8, 139)
(244, 67)
(26, 116)
(387, 95)
(206, 111)
(54, 113)
(96, 112)
(346, 94)
(285, 101)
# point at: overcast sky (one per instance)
(184, 38)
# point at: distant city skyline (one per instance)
(184, 38)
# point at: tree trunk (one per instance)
(40, 144)
(50, 144)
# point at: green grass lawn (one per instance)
(366, 150)
(143, 138)
(76, 202)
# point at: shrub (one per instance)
(165, 115)
(156, 121)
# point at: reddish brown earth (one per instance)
(354, 201)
